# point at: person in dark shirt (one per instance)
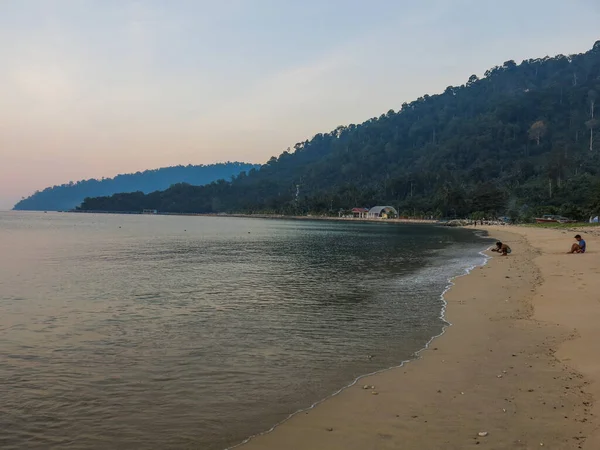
(579, 246)
(502, 248)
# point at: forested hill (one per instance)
(522, 140)
(68, 196)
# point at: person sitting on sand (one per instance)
(579, 246)
(502, 248)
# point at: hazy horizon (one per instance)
(95, 88)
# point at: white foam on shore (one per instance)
(416, 354)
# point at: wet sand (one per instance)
(520, 362)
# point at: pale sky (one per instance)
(92, 88)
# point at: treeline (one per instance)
(71, 195)
(521, 141)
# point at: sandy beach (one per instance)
(520, 364)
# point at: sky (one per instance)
(93, 88)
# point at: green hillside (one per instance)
(520, 141)
(70, 195)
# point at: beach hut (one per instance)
(359, 213)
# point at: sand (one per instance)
(520, 362)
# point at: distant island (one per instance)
(71, 195)
(521, 141)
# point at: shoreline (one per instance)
(416, 355)
(323, 218)
(256, 216)
(524, 397)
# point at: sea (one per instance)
(181, 332)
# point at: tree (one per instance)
(472, 80)
(509, 65)
(537, 130)
(591, 124)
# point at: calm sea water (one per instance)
(154, 332)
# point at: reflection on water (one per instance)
(185, 332)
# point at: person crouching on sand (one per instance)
(579, 246)
(502, 248)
